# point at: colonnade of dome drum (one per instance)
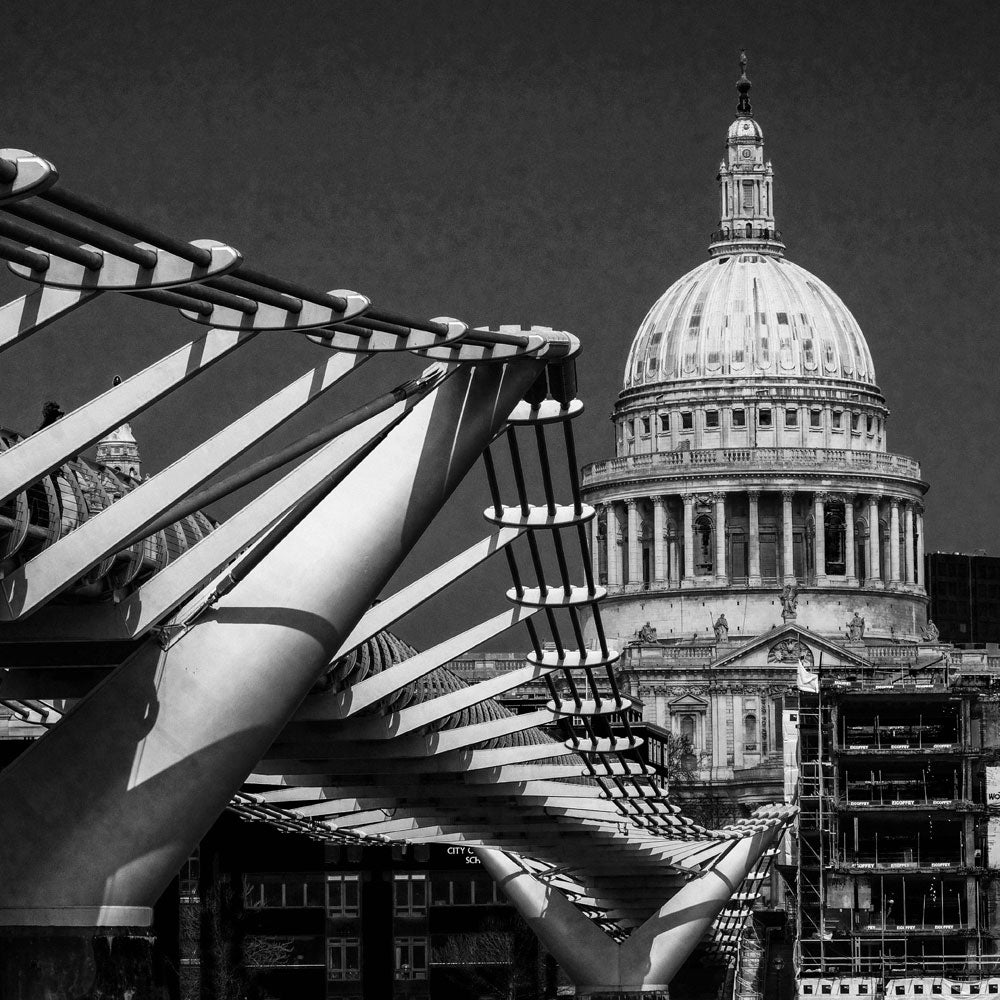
(758, 537)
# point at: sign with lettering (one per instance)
(992, 785)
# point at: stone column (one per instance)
(634, 545)
(874, 562)
(819, 536)
(787, 556)
(611, 540)
(920, 544)
(851, 570)
(894, 540)
(721, 575)
(908, 542)
(753, 569)
(688, 580)
(595, 545)
(659, 525)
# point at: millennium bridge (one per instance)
(246, 664)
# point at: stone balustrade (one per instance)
(762, 459)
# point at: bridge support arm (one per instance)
(101, 812)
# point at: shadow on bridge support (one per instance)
(646, 962)
(100, 813)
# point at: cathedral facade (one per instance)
(752, 515)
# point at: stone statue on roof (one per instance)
(856, 628)
(721, 627)
(930, 632)
(646, 634)
(790, 601)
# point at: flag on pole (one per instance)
(807, 680)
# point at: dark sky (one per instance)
(536, 162)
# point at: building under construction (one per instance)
(899, 833)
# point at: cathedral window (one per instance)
(834, 540)
(869, 423)
(855, 422)
(764, 416)
(815, 418)
(664, 423)
(645, 425)
(687, 728)
(836, 420)
(782, 319)
(750, 732)
(704, 547)
(711, 418)
(791, 417)
(687, 421)
(739, 418)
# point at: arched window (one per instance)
(749, 230)
(834, 540)
(687, 728)
(750, 732)
(704, 546)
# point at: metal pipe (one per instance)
(42, 216)
(51, 244)
(491, 338)
(290, 288)
(220, 298)
(258, 292)
(168, 298)
(58, 195)
(421, 324)
(9, 250)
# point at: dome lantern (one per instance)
(746, 185)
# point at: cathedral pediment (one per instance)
(785, 645)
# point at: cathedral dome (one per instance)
(750, 314)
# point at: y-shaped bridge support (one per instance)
(100, 813)
(648, 960)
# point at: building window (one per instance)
(282, 891)
(411, 958)
(791, 417)
(855, 422)
(834, 540)
(869, 423)
(711, 418)
(739, 418)
(410, 898)
(815, 417)
(704, 564)
(645, 425)
(343, 896)
(687, 421)
(343, 959)
(190, 874)
(687, 728)
(836, 420)
(466, 890)
(664, 423)
(272, 951)
(764, 417)
(750, 732)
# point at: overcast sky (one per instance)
(536, 162)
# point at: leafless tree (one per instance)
(499, 961)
